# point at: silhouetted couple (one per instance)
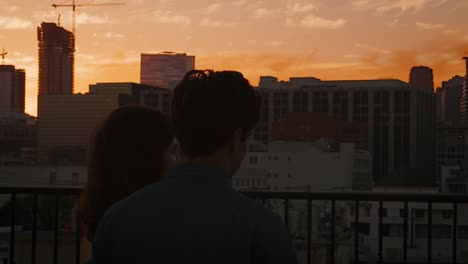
(143, 204)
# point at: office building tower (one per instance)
(65, 122)
(422, 78)
(56, 59)
(165, 69)
(12, 89)
(450, 97)
(400, 118)
(464, 100)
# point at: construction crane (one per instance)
(3, 54)
(74, 6)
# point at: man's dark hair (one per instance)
(208, 107)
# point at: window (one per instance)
(463, 232)
(253, 160)
(446, 214)
(289, 175)
(402, 213)
(363, 228)
(367, 211)
(394, 253)
(147, 99)
(276, 175)
(393, 230)
(438, 231)
(384, 212)
(276, 158)
(442, 231)
(421, 231)
(75, 178)
(53, 178)
(419, 213)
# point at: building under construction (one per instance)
(56, 59)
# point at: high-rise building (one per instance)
(451, 95)
(65, 122)
(439, 105)
(12, 89)
(400, 118)
(19, 93)
(451, 151)
(56, 59)
(422, 78)
(165, 69)
(464, 100)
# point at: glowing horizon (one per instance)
(355, 39)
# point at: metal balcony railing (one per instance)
(357, 199)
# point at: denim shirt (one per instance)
(191, 216)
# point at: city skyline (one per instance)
(383, 39)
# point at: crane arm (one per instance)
(80, 5)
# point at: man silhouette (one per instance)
(193, 215)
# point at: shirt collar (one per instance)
(199, 173)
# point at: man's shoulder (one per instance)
(133, 201)
(255, 208)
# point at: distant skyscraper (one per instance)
(165, 69)
(464, 100)
(12, 89)
(56, 59)
(422, 78)
(452, 91)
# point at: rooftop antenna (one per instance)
(58, 22)
(3, 54)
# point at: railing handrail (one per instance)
(338, 196)
(40, 190)
(361, 196)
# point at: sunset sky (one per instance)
(328, 39)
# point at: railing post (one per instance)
(286, 213)
(309, 230)
(405, 238)
(34, 229)
(356, 231)
(380, 231)
(12, 229)
(333, 230)
(78, 238)
(56, 227)
(454, 233)
(429, 233)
